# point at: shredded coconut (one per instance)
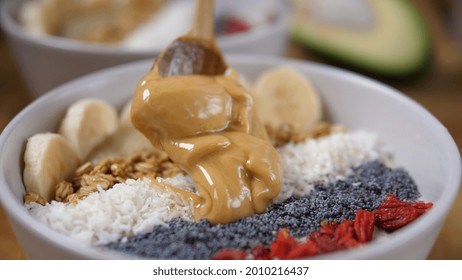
(184, 182)
(127, 209)
(325, 160)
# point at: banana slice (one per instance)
(88, 123)
(48, 160)
(285, 96)
(126, 141)
(125, 119)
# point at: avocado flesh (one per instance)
(396, 44)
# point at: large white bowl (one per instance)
(420, 143)
(47, 61)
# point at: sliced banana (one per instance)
(285, 96)
(87, 124)
(126, 141)
(125, 119)
(48, 160)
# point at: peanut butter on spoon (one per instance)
(192, 106)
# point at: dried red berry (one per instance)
(393, 213)
(260, 252)
(328, 228)
(283, 244)
(390, 219)
(229, 254)
(345, 228)
(306, 249)
(364, 225)
(391, 201)
(348, 242)
(421, 207)
(345, 235)
(325, 243)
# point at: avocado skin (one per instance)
(335, 55)
(420, 72)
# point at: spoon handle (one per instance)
(203, 22)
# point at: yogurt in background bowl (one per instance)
(47, 61)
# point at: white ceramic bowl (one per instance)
(48, 61)
(420, 143)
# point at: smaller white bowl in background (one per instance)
(48, 61)
(420, 144)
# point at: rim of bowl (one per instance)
(18, 212)
(9, 8)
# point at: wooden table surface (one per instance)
(440, 91)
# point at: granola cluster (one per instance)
(287, 133)
(108, 172)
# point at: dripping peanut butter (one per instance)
(208, 125)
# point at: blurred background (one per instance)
(428, 68)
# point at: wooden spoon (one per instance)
(195, 53)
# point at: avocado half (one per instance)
(395, 43)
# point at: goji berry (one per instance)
(328, 228)
(260, 252)
(345, 228)
(391, 219)
(393, 213)
(283, 244)
(421, 207)
(364, 225)
(324, 242)
(345, 235)
(391, 201)
(306, 249)
(347, 242)
(230, 254)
